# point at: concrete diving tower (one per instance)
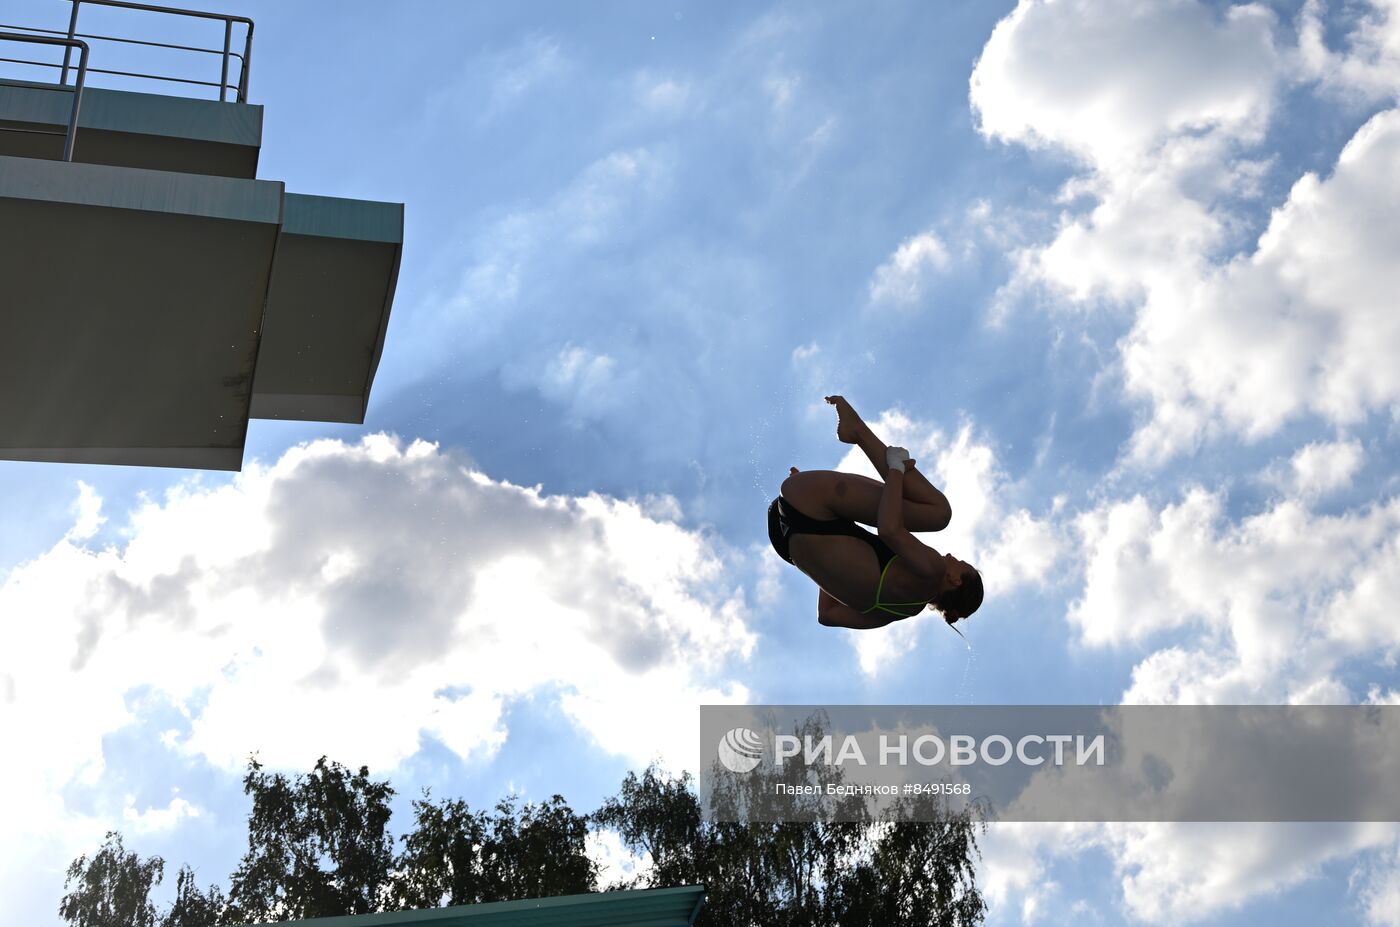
(154, 294)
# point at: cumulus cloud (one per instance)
(1165, 105)
(902, 279)
(1380, 889)
(1267, 608)
(1015, 869)
(352, 600)
(1277, 600)
(153, 820)
(1110, 80)
(1152, 99)
(88, 513)
(1321, 467)
(1367, 67)
(1181, 873)
(1304, 324)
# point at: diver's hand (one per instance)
(897, 458)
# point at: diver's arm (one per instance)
(834, 613)
(924, 559)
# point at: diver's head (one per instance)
(962, 590)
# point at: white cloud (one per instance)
(1367, 68)
(1164, 105)
(1014, 862)
(1278, 599)
(1025, 550)
(1114, 253)
(1323, 466)
(87, 509)
(1129, 572)
(1380, 890)
(1153, 98)
(1305, 324)
(1110, 80)
(1181, 873)
(154, 820)
(350, 600)
(902, 279)
(1279, 606)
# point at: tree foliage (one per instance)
(192, 907)
(919, 870)
(319, 845)
(456, 856)
(112, 889)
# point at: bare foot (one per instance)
(847, 421)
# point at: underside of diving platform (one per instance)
(328, 306)
(154, 296)
(132, 306)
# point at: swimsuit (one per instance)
(784, 520)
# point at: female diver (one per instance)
(867, 580)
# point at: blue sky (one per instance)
(1119, 273)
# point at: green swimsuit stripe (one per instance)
(891, 606)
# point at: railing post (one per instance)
(71, 136)
(77, 100)
(68, 49)
(223, 76)
(247, 65)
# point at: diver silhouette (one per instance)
(869, 580)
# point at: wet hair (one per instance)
(962, 600)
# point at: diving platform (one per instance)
(155, 294)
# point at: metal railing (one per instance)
(71, 135)
(227, 54)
